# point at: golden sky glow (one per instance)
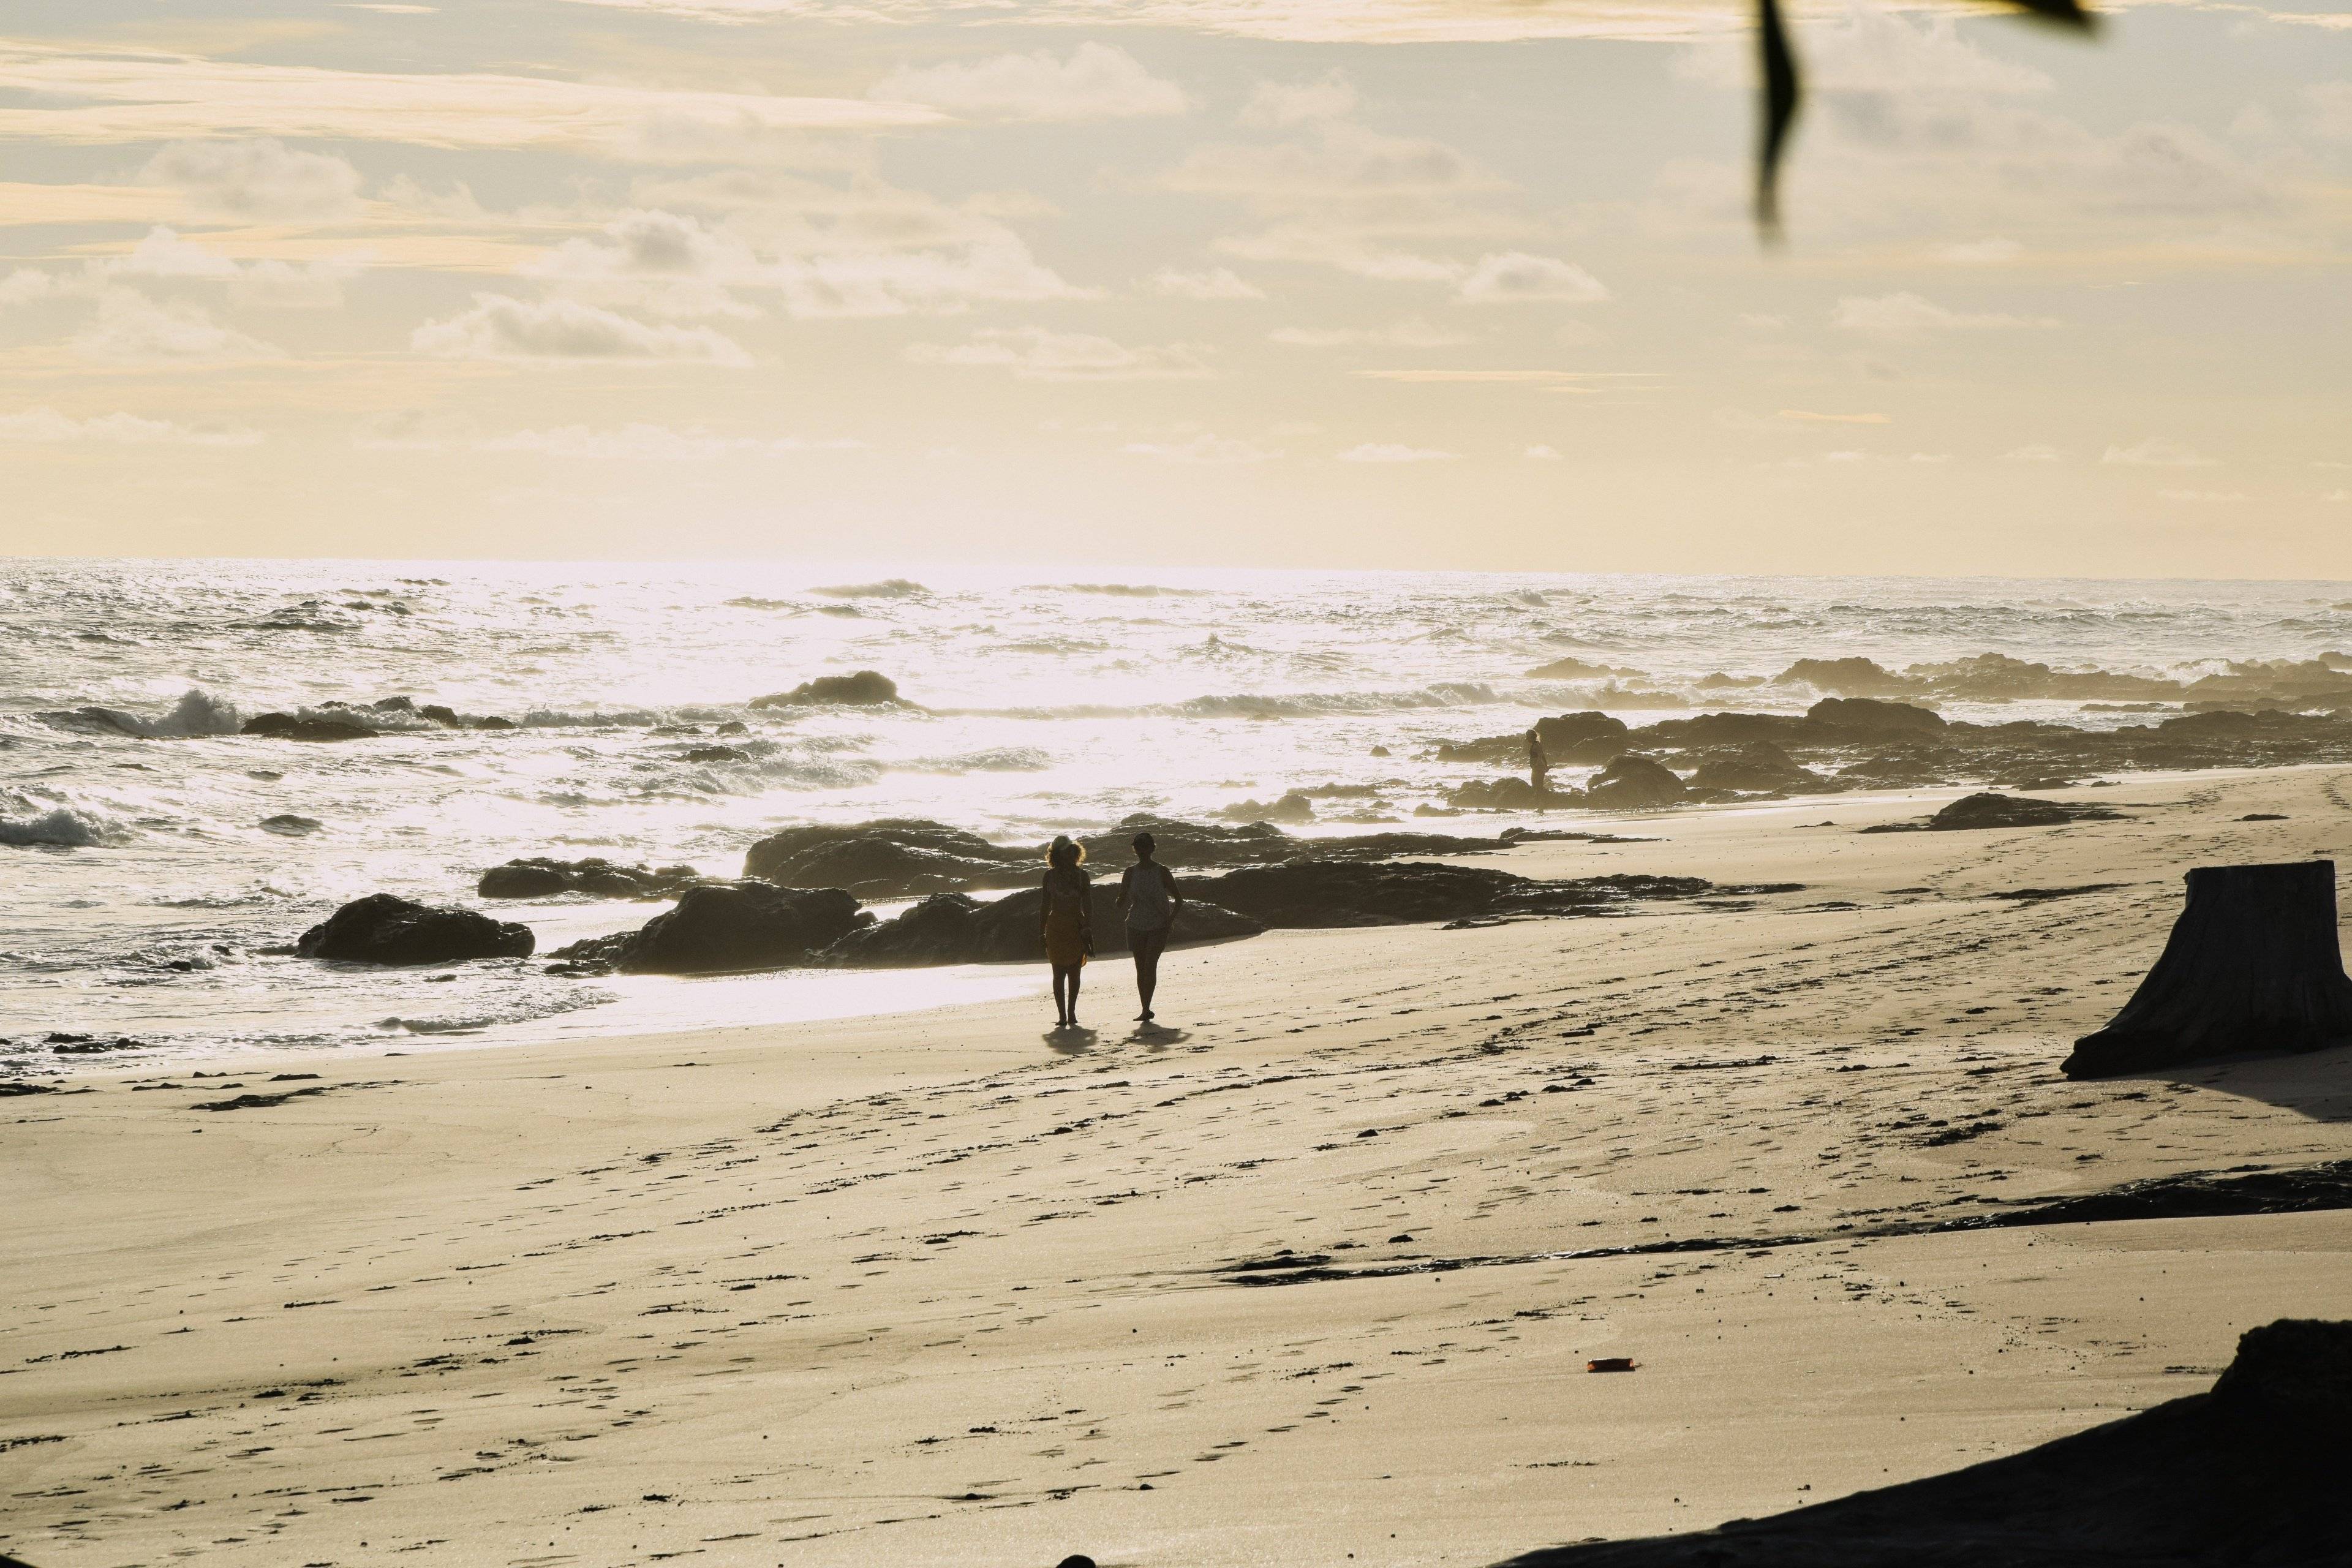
(1384, 282)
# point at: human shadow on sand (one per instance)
(1071, 1040)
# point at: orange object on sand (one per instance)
(1611, 1364)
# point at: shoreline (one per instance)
(926, 1285)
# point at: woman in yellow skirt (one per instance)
(1067, 920)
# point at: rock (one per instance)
(287, 824)
(866, 689)
(717, 927)
(1867, 716)
(298, 727)
(717, 754)
(395, 705)
(492, 722)
(1845, 678)
(949, 928)
(1511, 793)
(385, 929)
(1576, 669)
(1380, 751)
(1758, 768)
(538, 877)
(895, 859)
(1076, 1560)
(1319, 894)
(1989, 810)
(1294, 807)
(2249, 1475)
(1570, 738)
(445, 717)
(1634, 782)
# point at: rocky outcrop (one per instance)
(1868, 716)
(2246, 1476)
(717, 927)
(1974, 812)
(538, 877)
(388, 930)
(896, 859)
(1317, 894)
(307, 727)
(1633, 783)
(1571, 740)
(949, 928)
(1845, 678)
(1294, 807)
(866, 689)
(1758, 768)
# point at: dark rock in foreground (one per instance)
(949, 928)
(1634, 782)
(1982, 811)
(300, 727)
(2252, 965)
(1869, 716)
(385, 929)
(2247, 1476)
(866, 689)
(717, 927)
(540, 878)
(1321, 894)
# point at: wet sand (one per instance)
(939, 1289)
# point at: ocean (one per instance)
(157, 865)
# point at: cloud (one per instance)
(1543, 454)
(1277, 105)
(1034, 353)
(2201, 498)
(1216, 283)
(1979, 252)
(261, 178)
(501, 327)
(1096, 82)
(1412, 333)
(1394, 452)
(679, 265)
(133, 329)
(1808, 417)
(93, 98)
(1904, 316)
(1286, 21)
(48, 426)
(163, 254)
(2156, 453)
(1202, 448)
(2033, 453)
(638, 443)
(1514, 277)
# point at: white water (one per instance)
(142, 888)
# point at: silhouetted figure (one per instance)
(1067, 922)
(1539, 765)
(1148, 895)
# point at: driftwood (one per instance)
(2252, 966)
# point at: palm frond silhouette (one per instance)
(1784, 91)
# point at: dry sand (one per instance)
(936, 1288)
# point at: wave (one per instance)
(888, 588)
(197, 713)
(61, 827)
(999, 760)
(1315, 705)
(1122, 590)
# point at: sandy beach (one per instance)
(936, 1287)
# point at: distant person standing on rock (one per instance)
(1539, 765)
(1065, 920)
(1147, 893)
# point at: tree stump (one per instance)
(2252, 966)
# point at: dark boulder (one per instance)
(307, 727)
(949, 928)
(1573, 738)
(1321, 894)
(896, 858)
(1634, 781)
(717, 754)
(2247, 1476)
(1731, 729)
(1971, 813)
(1294, 807)
(287, 824)
(1509, 793)
(717, 927)
(866, 689)
(1758, 768)
(1869, 717)
(540, 878)
(385, 929)
(1845, 678)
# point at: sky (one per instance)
(1282, 283)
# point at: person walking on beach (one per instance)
(1147, 893)
(1065, 920)
(1539, 765)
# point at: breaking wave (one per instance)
(59, 827)
(888, 588)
